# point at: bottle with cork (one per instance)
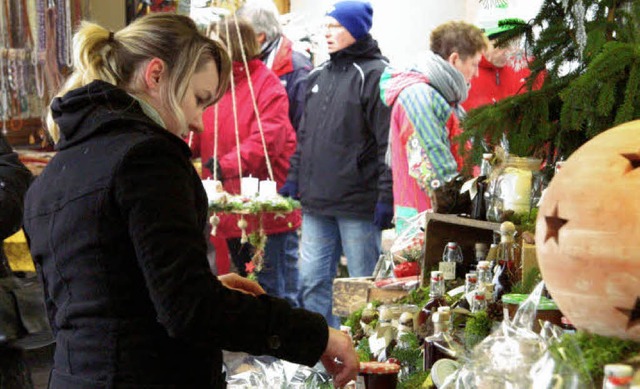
(452, 264)
(441, 344)
(436, 300)
(507, 266)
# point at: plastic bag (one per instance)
(514, 356)
(247, 371)
(409, 244)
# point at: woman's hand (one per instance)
(340, 358)
(239, 283)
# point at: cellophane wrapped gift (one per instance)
(247, 371)
(409, 244)
(516, 357)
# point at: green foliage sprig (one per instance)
(589, 86)
(363, 350)
(411, 354)
(477, 328)
(589, 353)
(237, 204)
(528, 282)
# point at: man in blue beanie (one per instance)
(338, 170)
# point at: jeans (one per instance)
(279, 274)
(324, 239)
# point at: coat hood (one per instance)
(392, 82)
(84, 112)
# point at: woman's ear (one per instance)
(154, 74)
(453, 58)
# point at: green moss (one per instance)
(589, 353)
(478, 327)
(414, 381)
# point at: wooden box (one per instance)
(351, 294)
(443, 228)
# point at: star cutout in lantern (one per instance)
(633, 314)
(554, 224)
(634, 160)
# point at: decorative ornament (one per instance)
(579, 14)
(242, 225)
(517, 56)
(215, 222)
(587, 234)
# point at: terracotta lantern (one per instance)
(588, 234)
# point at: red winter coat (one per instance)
(494, 84)
(280, 140)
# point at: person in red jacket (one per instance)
(280, 141)
(496, 78)
(278, 53)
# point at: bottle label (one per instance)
(448, 270)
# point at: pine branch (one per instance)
(584, 93)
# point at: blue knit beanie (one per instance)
(355, 16)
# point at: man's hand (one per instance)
(340, 358)
(239, 283)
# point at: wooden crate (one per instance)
(351, 294)
(443, 228)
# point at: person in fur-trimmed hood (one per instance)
(425, 115)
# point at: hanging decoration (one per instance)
(256, 197)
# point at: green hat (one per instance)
(503, 26)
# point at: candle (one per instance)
(516, 189)
(268, 188)
(249, 186)
(214, 190)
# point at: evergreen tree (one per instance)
(588, 52)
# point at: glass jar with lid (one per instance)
(516, 188)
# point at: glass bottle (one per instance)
(436, 300)
(470, 285)
(617, 376)
(491, 255)
(480, 255)
(484, 273)
(507, 254)
(452, 265)
(479, 203)
(479, 301)
(441, 344)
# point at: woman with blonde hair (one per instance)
(115, 224)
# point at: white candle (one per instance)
(268, 188)
(516, 189)
(213, 188)
(249, 186)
